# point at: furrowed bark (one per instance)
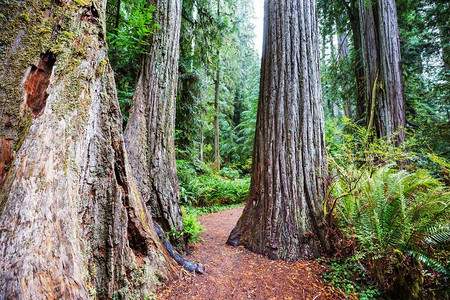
(381, 57)
(149, 135)
(72, 224)
(392, 118)
(283, 214)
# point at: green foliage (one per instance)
(347, 275)
(382, 199)
(199, 186)
(132, 37)
(128, 39)
(211, 41)
(230, 173)
(206, 210)
(192, 226)
(206, 190)
(393, 208)
(348, 144)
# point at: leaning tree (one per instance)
(72, 224)
(283, 216)
(149, 135)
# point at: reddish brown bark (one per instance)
(72, 225)
(149, 135)
(283, 214)
(381, 60)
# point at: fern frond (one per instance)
(430, 262)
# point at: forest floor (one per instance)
(236, 273)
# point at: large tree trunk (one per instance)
(283, 214)
(72, 224)
(381, 53)
(149, 135)
(392, 117)
(371, 58)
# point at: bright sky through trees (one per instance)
(259, 24)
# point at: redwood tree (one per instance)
(351, 8)
(382, 69)
(149, 135)
(283, 214)
(72, 224)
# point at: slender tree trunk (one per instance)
(216, 119)
(187, 104)
(72, 224)
(201, 143)
(381, 53)
(359, 70)
(445, 44)
(149, 135)
(117, 14)
(283, 214)
(343, 55)
(216, 107)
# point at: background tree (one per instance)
(149, 135)
(382, 71)
(239, 76)
(72, 224)
(283, 213)
(216, 102)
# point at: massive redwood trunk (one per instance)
(283, 214)
(72, 224)
(149, 135)
(381, 53)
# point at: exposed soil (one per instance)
(236, 273)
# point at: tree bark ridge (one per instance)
(72, 224)
(149, 135)
(282, 216)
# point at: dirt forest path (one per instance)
(236, 273)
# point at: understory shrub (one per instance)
(400, 220)
(205, 210)
(347, 275)
(397, 213)
(191, 227)
(199, 186)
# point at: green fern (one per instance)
(394, 209)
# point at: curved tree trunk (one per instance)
(381, 60)
(72, 224)
(283, 214)
(149, 135)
